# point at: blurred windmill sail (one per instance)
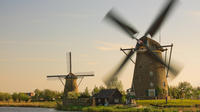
(148, 61)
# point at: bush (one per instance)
(23, 97)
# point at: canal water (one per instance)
(28, 109)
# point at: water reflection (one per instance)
(27, 109)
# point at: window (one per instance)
(151, 92)
(151, 73)
(151, 84)
(164, 84)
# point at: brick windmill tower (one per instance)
(70, 84)
(150, 77)
(151, 72)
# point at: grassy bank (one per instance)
(29, 104)
(143, 106)
(118, 109)
(171, 103)
(137, 109)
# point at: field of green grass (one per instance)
(171, 103)
(137, 109)
(29, 104)
(184, 105)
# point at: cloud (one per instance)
(107, 46)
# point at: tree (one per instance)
(7, 96)
(85, 94)
(15, 97)
(95, 90)
(37, 96)
(173, 92)
(101, 87)
(123, 99)
(160, 92)
(58, 95)
(48, 95)
(23, 97)
(2, 97)
(196, 93)
(115, 83)
(185, 90)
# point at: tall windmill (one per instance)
(70, 84)
(149, 72)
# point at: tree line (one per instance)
(16, 97)
(46, 95)
(184, 90)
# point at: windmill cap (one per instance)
(71, 76)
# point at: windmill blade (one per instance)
(174, 64)
(69, 62)
(173, 69)
(57, 76)
(116, 72)
(84, 74)
(115, 19)
(160, 19)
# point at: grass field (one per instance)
(171, 103)
(29, 104)
(145, 106)
(137, 109)
(184, 105)
(178, 105)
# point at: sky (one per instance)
(36, 34)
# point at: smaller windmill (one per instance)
(70, 84)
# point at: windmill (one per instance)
(70, 84)
(149, 73)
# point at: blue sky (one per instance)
(35, 36)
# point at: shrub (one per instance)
(23, 97)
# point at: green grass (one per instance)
(171, 103)
(184, 105)
(122, 109)
(29, 104)
(137, 109)
(59, 106)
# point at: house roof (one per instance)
(106, 93)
